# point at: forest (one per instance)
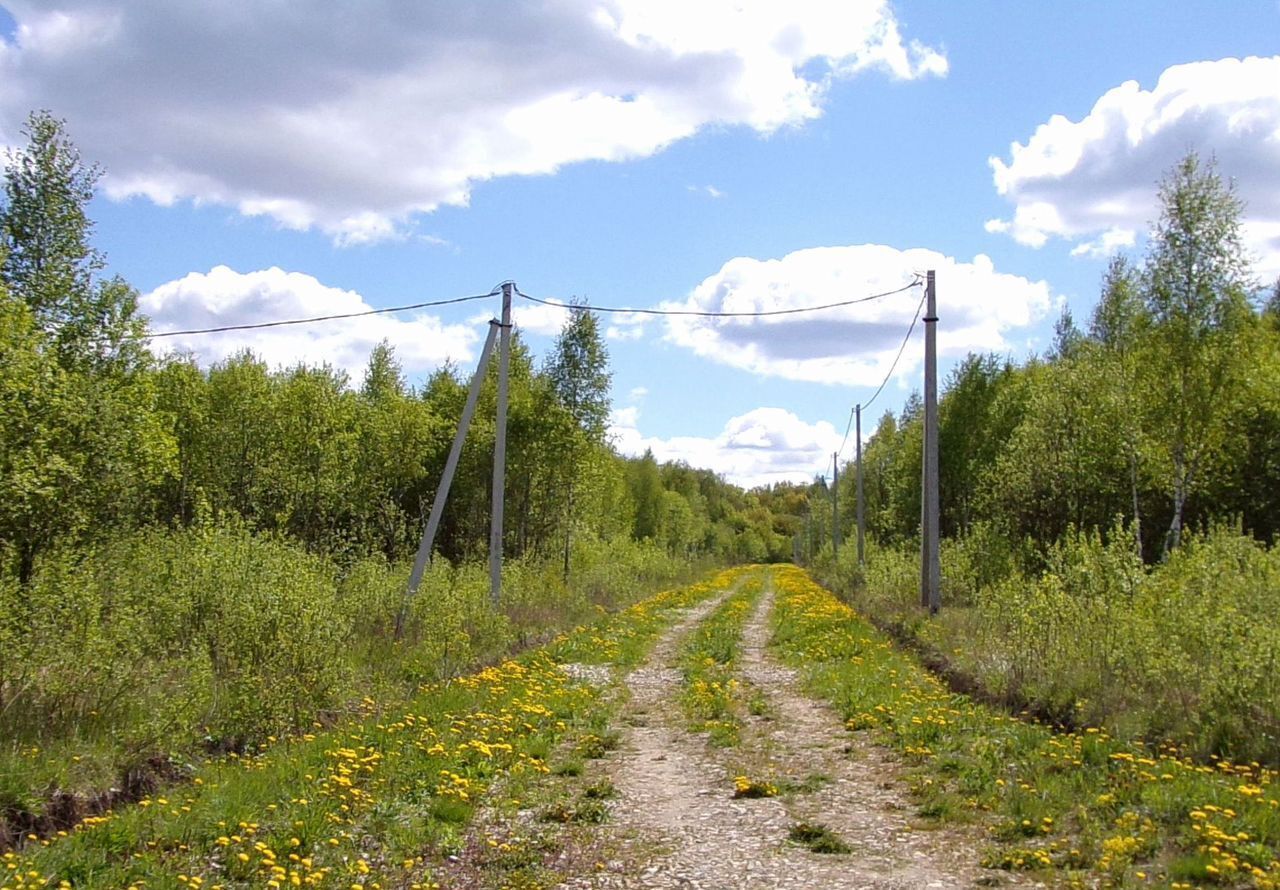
(242, 533)
(1109, 508)
(198, 561)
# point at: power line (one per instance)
(880, 388)
(848, 426)
(292, 321)
(705, 313)
(901, 349)
(253, 326)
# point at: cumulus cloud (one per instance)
(1094, 180)
(355, 117)
(761, 447)
(709, 190)
(224, 297)
(627, 326)
(532, 318)
(854, 345)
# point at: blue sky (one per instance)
(288, 160)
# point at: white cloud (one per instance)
(626, 326)
(437, 241)
(1097, 176)
(532, 318)
(708, 190)
(761, 447)
(353, 118)
(637, 393)
(224, 297)
(1106, 244)
(853, 345)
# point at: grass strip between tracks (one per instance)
(710, 694)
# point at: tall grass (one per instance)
(1187, 651)
(174, 645)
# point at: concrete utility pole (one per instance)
(500, 449)
(427, 544)
(857, 414)
(835, 507)
(930, 565)
(808, 528)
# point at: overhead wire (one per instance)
(316, 318)
(847, 427)
(917, 279)
(879, 389)
(898, 357)
(428, 304)
(711, 313)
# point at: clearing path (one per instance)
(676, 824)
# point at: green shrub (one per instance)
(1187, 651)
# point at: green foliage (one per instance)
(384, 796)
(1197, 282)
(174, 645)
(1162, 413)
(206, 631)
(817, 838)
(1098, 809)
(78, 448)
(712, 696)
(46, 258)
(578, 369)
(1181, 651)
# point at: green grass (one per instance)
(817, 838)
(712, 697)
(1085, 634)
(380, 798)
(1088, 807)
(136, 662)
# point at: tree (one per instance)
(1271, 308)
(235, 447)
(314, 445)
(50, 263)
(578, 371)
(1066, 336)
(970, 435)
(383, 377)
(1117, 330)
(1197, 282)
(183, 401)
(645, 483)
(35, 467)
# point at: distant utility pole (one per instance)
(808, 528)
(500, 449)
(835, 507)
(857, 414)
(930, 565)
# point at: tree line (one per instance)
(1158, 415)
(99, 435)
(1108, 508)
